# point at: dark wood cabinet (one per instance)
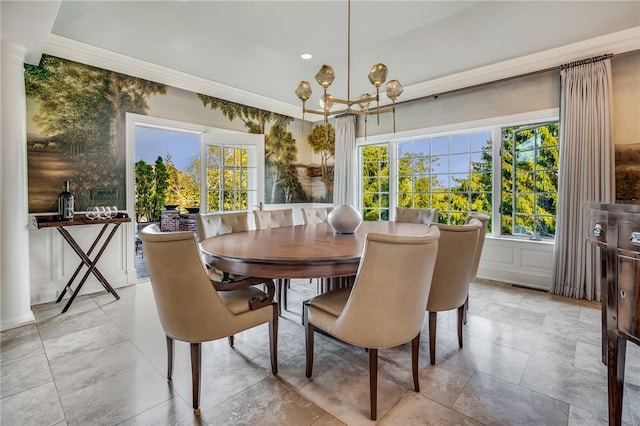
(615, 229)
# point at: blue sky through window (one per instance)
(153, 142)
(454, 153)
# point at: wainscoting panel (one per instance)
(52, 261)
(521, 262)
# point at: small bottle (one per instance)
(65, 203)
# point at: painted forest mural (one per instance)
(628, 173)
(77, 133)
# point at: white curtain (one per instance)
(586, 172)
(346, 166)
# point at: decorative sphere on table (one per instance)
(344, 219)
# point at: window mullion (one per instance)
(393, 178)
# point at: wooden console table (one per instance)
(86, 260)
(615, 229)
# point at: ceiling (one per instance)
(255, 46)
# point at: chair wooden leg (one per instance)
(433, 324)
(415, 351)
(230, 341)
(309, 330)
(279, 291)
(273, 340)
(196, 354)
(287, 286)
(466, 308)
(170, 353)
(461, 317)
(373, 381)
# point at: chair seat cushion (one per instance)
(331, 302)
(237, 301)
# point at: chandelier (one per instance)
(326, 75)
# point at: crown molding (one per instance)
(615, 43)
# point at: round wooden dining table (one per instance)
(302, 251)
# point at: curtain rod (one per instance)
(586, 61)
(501, 80)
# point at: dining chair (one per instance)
(416, 215)
(194, 309)
(385, 307)
(484, 219)
(220, 223)
(315, 215)
(267, 219)
(451, 276)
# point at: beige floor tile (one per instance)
(24, 374)
(268, 402)
(416, 410)
(497, 402)
(344, 392)
(37, 406)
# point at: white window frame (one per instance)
(495, 124)
(227, 140)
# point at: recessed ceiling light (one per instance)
(306, 56)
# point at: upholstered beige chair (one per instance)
(451, 276)
(384, 308)
(190, 307)
(484, 220)
(266, 219)
(220, 223)
(411, 215)
(315, 215)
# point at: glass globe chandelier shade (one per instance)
(394, 89)
(304, 91)
(364, 104)
(378, 74)
(325, 76)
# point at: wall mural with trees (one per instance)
(81, 116)
(628, 173)
(76, 132)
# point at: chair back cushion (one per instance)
(411, 215)
(452, 273)
(484, 220)
(266, 219)
(386, 305)
(316, 215)
(218, 223)
(189, 307)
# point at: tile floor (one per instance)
(529, 359)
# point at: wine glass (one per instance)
(91, 213)
(101, 212)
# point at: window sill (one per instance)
(523, 240)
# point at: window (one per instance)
(530, 180)
(231, 169)
(227, 179)
(451, 173)
(375, 181)
(463, 170)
